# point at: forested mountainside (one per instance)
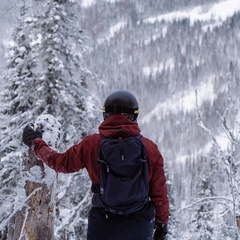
(164, 62)
(163, 59)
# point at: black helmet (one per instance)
(121, 102)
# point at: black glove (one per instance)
(29, 135)
(160, 231)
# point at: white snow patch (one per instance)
(36, 172)
(90, 107)
(153, 70)
(182, 158)
(49, 176)
(155, 36)
(112, 31)
(215, 12)
(64, 213)
(222, 141)
(35, 39)
(51, 129)
(182, 102)
(87, 3)
(36, 175)
(8, 43)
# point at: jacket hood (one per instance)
(118, 122)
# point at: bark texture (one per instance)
(35, 220)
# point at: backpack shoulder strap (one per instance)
(119, 131)
(113, 136)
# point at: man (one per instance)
(120, 112)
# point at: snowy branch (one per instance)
(21, 205)
(224, 200)
(24, 222)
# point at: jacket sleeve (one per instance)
(67, 162)
(157, 183)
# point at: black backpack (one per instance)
(124, 186)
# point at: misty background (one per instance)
(172, 55)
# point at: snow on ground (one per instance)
(186, 101)
(208, 12)
(87, 3)
(183, 101)
(213, 15)
(153, 70)
(112, 31)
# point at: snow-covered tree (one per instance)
(202, 224)
(226, 157)
(173, 224)
(46, 75)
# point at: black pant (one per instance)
(136, 226)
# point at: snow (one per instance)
(215, 12)
(36, 172)
(90, 106)
(111, 1)
(112, 31)
(222, 141)
(35, 39)
(36, 175)
(183, 101)
(51, 129)
(87, 3)
(153, 70)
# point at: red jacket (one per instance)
(85, 154)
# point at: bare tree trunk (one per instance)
(238, 221)
(35, 221)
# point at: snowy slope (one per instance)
(212, 15)
(207, 13)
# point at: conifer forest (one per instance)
(60, 59)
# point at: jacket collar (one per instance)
(118, 122)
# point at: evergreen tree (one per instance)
(173, 224)
(202, 220)
(228, 159)
(46, 75)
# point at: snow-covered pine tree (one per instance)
(227, 157)
(46, 76)
(173, 224)
(201, 224)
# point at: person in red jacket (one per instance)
(120, 112)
